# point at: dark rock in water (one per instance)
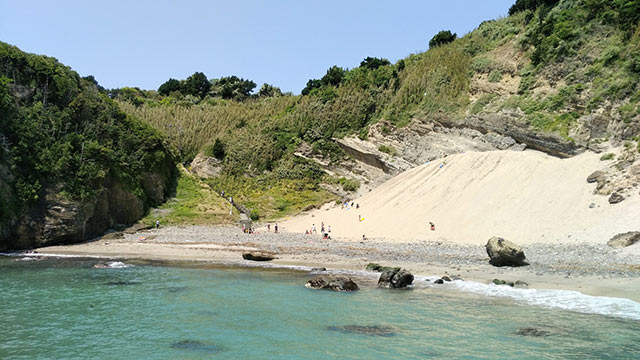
(446, 278)
(335, 283)
(122, 282)
(503, 282)
(439, 281)
(195, 345)
(318, 269)
(455, 277)
(596, 176)
(505, 253)
(396, 278)
(375, 330)
(624, 239)
(530, 331)
(615, 198)
(258, 256)
(379, 268)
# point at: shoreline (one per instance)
(591, 270)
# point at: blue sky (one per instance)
(284, 43)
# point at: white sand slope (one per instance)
(526, 197)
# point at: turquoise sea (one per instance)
(64, 309)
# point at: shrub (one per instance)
(441, 38)
(495, 76)
(608, 156)
(388, 149)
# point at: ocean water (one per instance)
(63, 308)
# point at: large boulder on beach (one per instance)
(380, 268)
(395, 278)
(335, 283)
(624, 239)
(505, 253)
(258, 256)
(596, 176)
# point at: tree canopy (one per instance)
(441, 38)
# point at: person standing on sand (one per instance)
(322, 227)
(329, 228)
(157, 224)
(276, 228)
(313, 229)
(268, 227)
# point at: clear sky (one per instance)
(284, 43)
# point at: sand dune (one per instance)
(527, 197)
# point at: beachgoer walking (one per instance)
(313, 229)
(276, 228)
(157, 224)
(322, 227)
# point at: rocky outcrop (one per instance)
(530, 331)
(511, 123)
(615, 198)
(206, 166)
(56, 219)
(337, 283)
(624, 239)
(366, 153)
(505, 253)
(258, 256)
(395, 279)
(596, 176)
(517, 283)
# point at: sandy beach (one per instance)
(591, 269)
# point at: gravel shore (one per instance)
(560, 259)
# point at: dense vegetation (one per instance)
(554, 60)
(59, 130)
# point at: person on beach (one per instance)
(244, 229)
(313, 229)
(322, 227)
(268, 227)
(306, 231)
(157, 224)
(433, 226)
(357, 206)
(329, 228)
(364, 238)
(276, 228)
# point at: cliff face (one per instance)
(72, 164)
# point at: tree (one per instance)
(333, 76)
(522, 5)
(197, 85)
(170, 86)
(233, 87)
(311, 84)
(218, 149)
(441, 38)
(373, 63)
(269, 91)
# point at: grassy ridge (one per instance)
(556, 61)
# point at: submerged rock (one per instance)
(439, 281)
(258, 256)
(122, 282)
(505, 253)
(335, 283)
(502, 282)
(375, 330)
(530, 331)
(195, 345)
(396, 279)
(624, 239)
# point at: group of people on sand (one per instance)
(275, 228)
(248, 229)
(324, 231)
(345, 205)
